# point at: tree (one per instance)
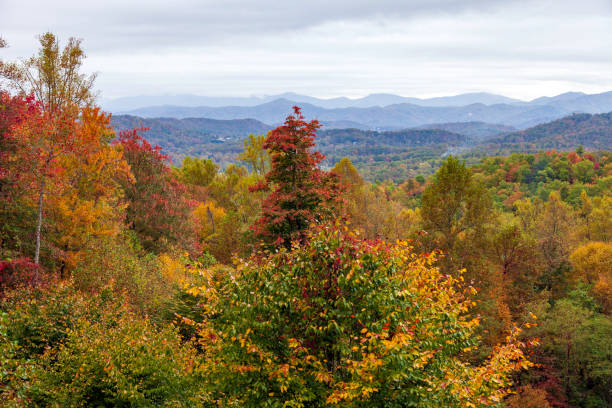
(53, 76)
(454, 206)
(197, 172)
(578, 338)
(348, 174)
(158, 208)
(54, 79)
(592, 265)
(301, 192)
(255, 155)
(91, 203)
(342, 321)
(584, 171)
(555, 231)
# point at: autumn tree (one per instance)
(455, 210)
(54, 78)
(592, 264)
(90, 204)
(17, 216)
(301, 193)
(343, 321)
(158, 209)
(255, 155)
(53, 75)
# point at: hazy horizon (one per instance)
(521, 49)
(360, 96)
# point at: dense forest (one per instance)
(380, 155)
(129, 280)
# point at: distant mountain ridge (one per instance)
(520, 115)
(125, 104)
(590, 131)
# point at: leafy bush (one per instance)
(32, 321)
(40, 318)
(17, 272)
(123, 361)
(121, 265)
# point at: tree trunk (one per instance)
(39, 224)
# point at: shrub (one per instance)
(40, 318)
(32, 321)
(119, 360)
(17, 272)
(119, 264)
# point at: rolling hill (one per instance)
(178, 134)
(590, 131)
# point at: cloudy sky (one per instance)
(327, 48)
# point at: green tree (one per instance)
(455, 207)
(197, 172)
(584, 171)
(578, 338)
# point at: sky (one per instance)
(327, 48)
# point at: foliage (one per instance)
(592, 265)
(344, 321)
(301, 192)
(528, 397)
(124, 363)
(578, 338)
(455, 206)
(255, 155)
(158, 210)
(198, 172)
(118, 265)
(53, 75)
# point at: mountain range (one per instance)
(222, 139)
(379, 99)
(479, 107)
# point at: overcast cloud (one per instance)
(519, 48)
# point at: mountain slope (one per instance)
(591, 131)
(475, 130)
(176, 135)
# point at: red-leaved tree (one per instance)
(159, 209)
(301, 193)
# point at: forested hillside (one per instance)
(127, 280)
(475, 130)
(592, 131)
